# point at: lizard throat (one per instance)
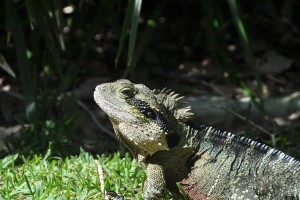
(149, 113)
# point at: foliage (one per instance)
(45, 46)
(75, 177)
(53, 39)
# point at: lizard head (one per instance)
(135, 114)
(141, 117)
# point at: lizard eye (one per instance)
(126, 92)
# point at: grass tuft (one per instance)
(75, 177)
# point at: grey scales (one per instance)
(208, 163)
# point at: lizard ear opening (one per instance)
(175, 104)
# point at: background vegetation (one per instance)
(53, 53)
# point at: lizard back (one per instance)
(210, 164)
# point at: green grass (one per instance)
(74, 177)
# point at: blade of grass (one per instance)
(215, 41)
(214, 27)
(8, 160)
(28, 86)
(5, 66)
(57, 5)
(133, 30)
(241, 29)
(125, 27)
(29, 7)
(182, 191)
(28, 185)
(76, 23)
(73, 70)
(42, 11)
(147, 35)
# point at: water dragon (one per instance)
(208, 163)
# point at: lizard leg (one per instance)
(156, 183)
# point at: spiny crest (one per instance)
(245, 142)
(175, 104)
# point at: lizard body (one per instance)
(209, 164)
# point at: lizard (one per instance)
(209, 164)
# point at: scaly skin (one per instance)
(209, 164)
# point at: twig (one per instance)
(93, 117)
(271, 135)
(214, 88)
(101, 177)
(12, 94)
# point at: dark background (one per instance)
(229, 49)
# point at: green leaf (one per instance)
(125, 27)
(28, 185)
(28, 86)
(241, 29)
(42, 11)
(97, 22)
(8, 160)
(133, 30)
(59, 22)
(146, 38)
(30, 13)
(182, 191)
(5, 66)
